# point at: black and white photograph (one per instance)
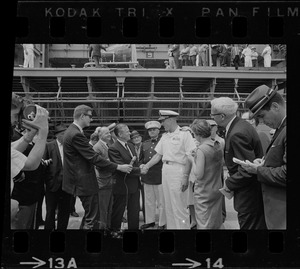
(147, 151)
(148, 136)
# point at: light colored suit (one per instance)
(103, 176)
(104, 179)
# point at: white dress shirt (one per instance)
(125, 145)
(60, 147)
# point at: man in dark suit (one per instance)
(268, 106)
(79, 178)
(242, 142)
(55, 196)
(126, 189)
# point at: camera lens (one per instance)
(29, 112)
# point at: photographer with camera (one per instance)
(38, 127)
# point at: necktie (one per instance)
(274, 135)
(126, 145)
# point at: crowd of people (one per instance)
(225, 55)
(221, 54)
(178, 173)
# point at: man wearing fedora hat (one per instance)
(56, 198)
(136, 140)
(268, 106)
(173, 149)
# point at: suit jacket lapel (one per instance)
(236, 119)
(57, 152)
(122, 149)
(276, 134)
(228, 132)
(132, 148)
(104, 148)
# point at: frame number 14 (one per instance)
(217, 264)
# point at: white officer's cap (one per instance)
(152, 124)
(165, 114)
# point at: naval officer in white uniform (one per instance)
(173, 149)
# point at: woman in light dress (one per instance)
(207, 169)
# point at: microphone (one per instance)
(132, 160)
(131, 163)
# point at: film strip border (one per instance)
(148, 21)
(163, 22)
(150, 248)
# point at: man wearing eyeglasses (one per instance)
(79, 178)
(242, 142)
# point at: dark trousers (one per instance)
(214, 59)
(90, 204)
(254, 63)
(193, 60)
(143, 201)
(72, 204)
(236, 61)
(185, 60)
(133, 210)
(252, 221)
(97, 60)
(223, 199)
(226, 59)
(25, 217)
(38, 218)
(105, 207)
(57, 200)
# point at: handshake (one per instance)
(144, 169)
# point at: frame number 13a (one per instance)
(61, 263)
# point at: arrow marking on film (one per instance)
(194, 264)
(37, 264)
